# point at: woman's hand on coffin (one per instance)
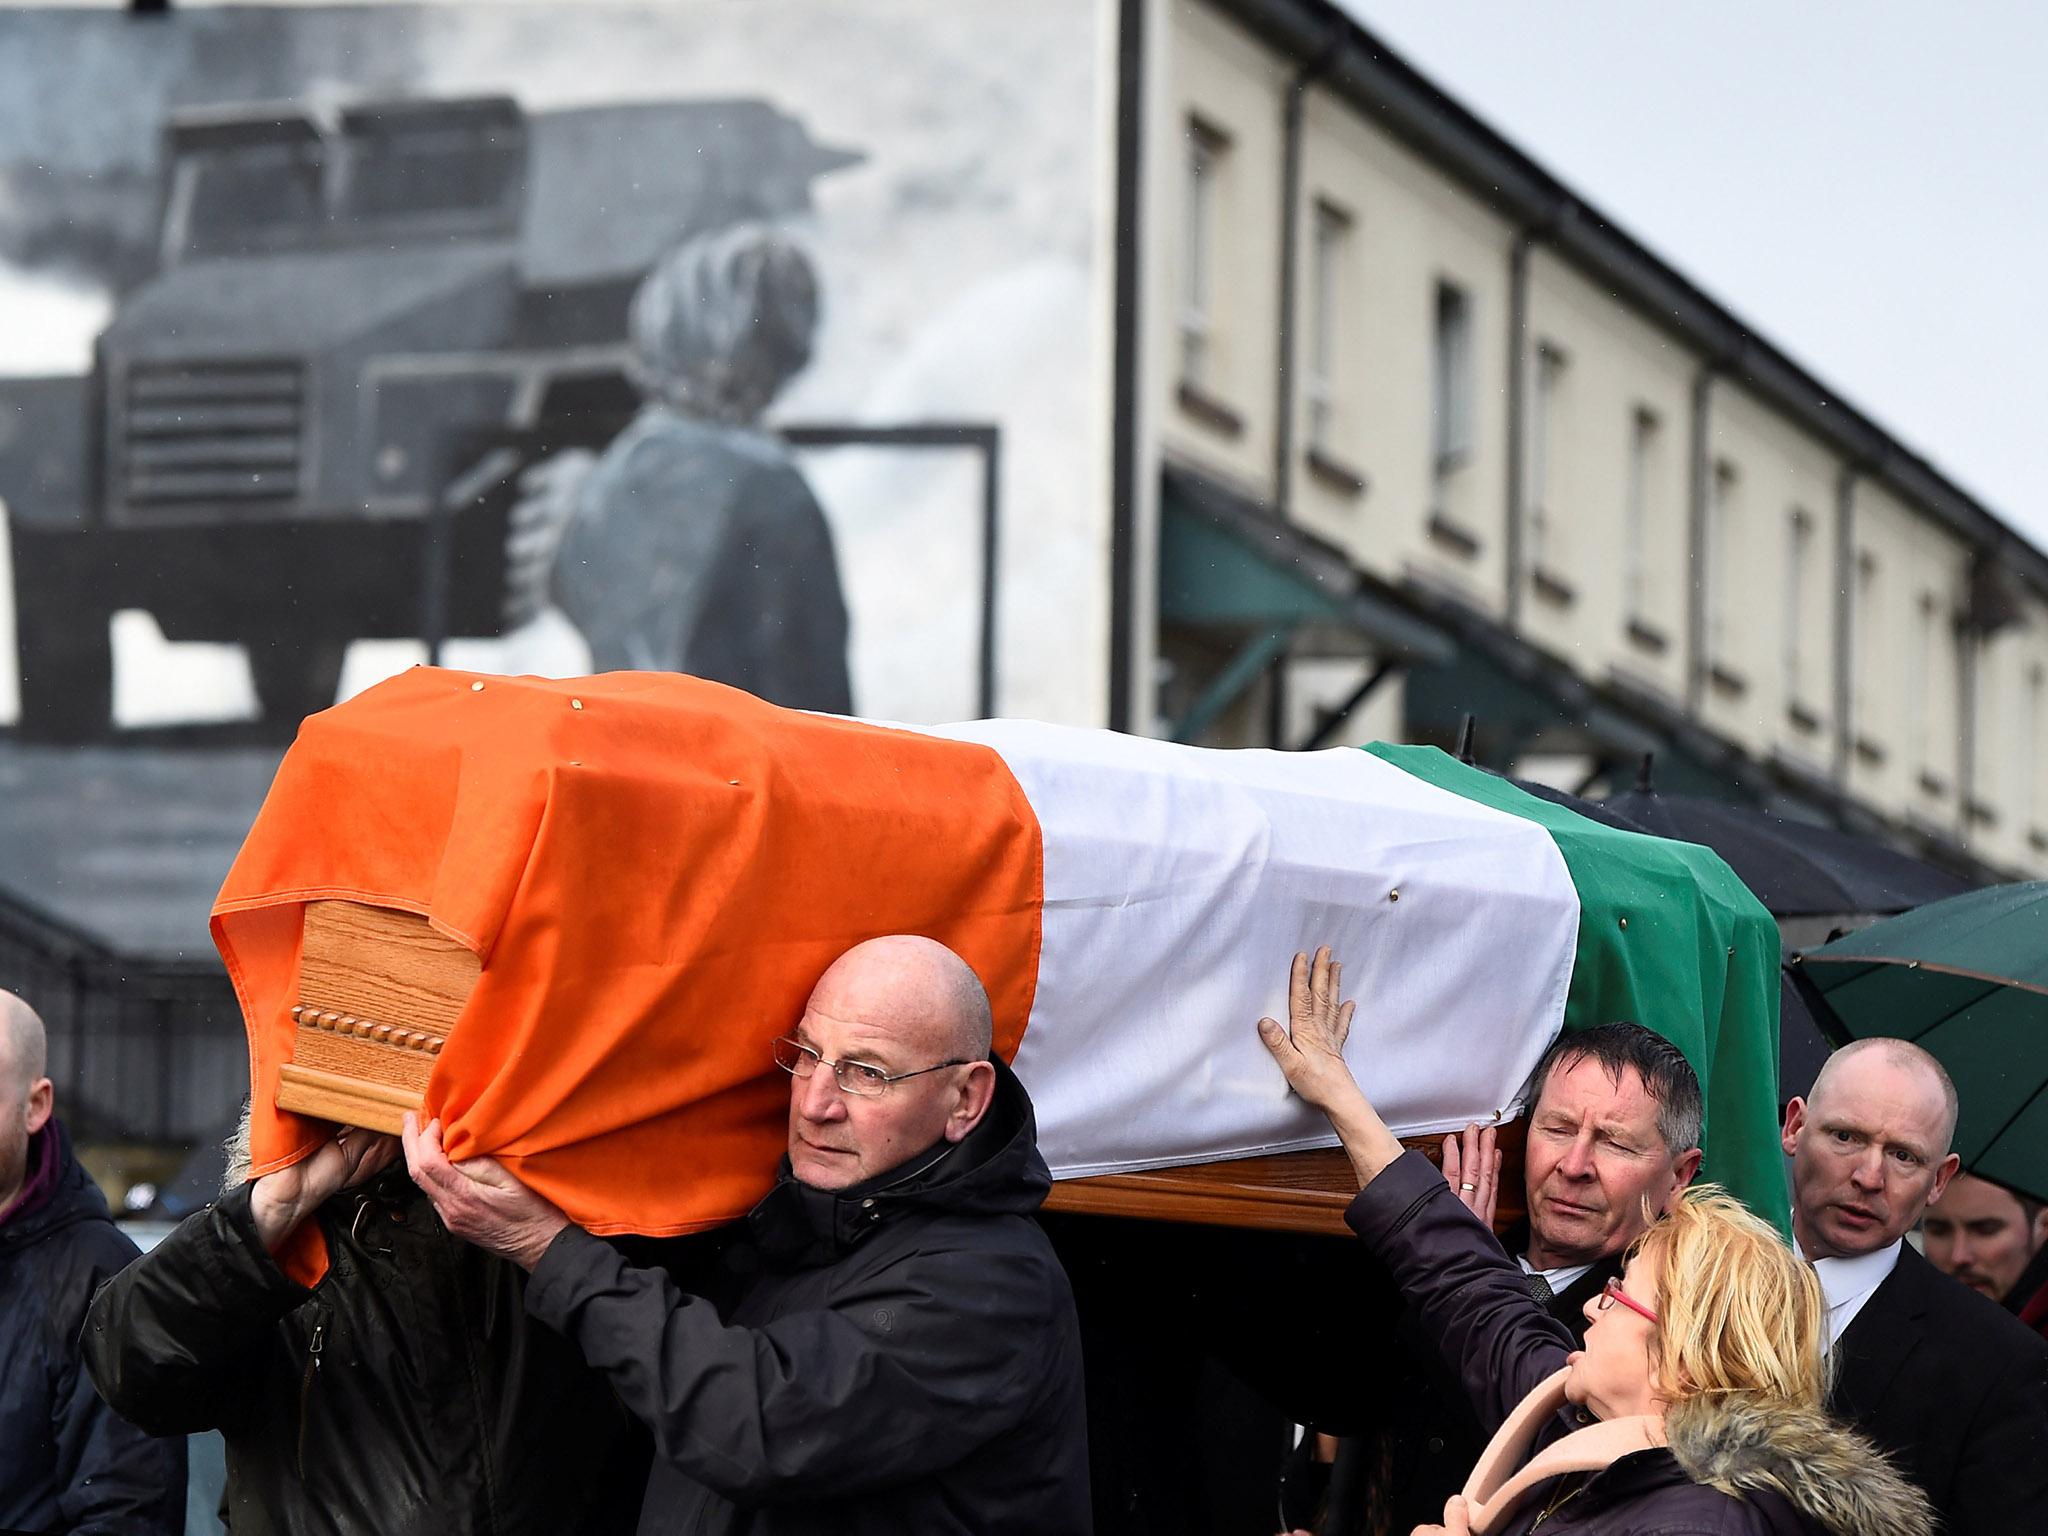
(1472, 1168)
(479, 1201)
(1310, 1052)
(283, 1199)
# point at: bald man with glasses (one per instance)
(906, 1356)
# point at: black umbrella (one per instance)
(1795, 868)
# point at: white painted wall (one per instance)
(1412, 226)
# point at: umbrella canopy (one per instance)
(1967, 979)
(1797, 869)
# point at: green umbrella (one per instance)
(1967, 979)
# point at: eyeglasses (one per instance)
(859, 1078)
(1613, 1293)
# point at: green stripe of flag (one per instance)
(1670, 938)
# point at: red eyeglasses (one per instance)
(1613, 1293)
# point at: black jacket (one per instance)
(906, 1359)
(1416, 1437)
(67, 1461)
(407, 1394)
(1730, 1469)
(1956, 1388)
(1426, 1436)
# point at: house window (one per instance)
(1451, 404)
(1329, 253)
(1799, 536)
(1543, 431)
(1642, 458)
(1720, 551)
(1201, 196)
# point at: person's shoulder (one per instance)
(1966, 1317)
(998, 1254)
(67, 1266)
(82, 1239)
(1697, 1509)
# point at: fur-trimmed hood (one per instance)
(1831, 1475)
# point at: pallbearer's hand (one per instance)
(479, 1201)
(282, 1199)
(1472, 1168)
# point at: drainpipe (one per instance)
(1527, 238)
(1518, 405)
(1845, 620)
(1969, 648)
(1290, 249)
(1701, 491)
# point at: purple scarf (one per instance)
(43, 1171)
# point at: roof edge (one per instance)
(1414, 109)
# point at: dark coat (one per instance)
(2028, 1299)
(1727, 1471)
(67, 1461)
(906, 1359)
(1956, 1388)
(1411, 1444)
(407, 1394)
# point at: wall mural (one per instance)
(749, 341)
(762, 341)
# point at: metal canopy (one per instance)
(1225, 562)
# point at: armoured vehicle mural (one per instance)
(306, 428)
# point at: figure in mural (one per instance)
(692, 543)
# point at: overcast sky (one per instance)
(1863, 184)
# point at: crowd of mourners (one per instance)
(889, 1343)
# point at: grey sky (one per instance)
(1864, 185)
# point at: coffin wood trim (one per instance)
(379, 990)
(349, 1100)
(1287, 1192)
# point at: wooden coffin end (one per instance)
(379, 990)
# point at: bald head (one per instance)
(25, 1094)
(1904, 1066)
(1869, 1147)
(915, 985)
(24, 1048)
(912, 1011)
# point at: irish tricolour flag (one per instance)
(654, 870)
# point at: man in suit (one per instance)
(1613, 1137)
(1946, 1381)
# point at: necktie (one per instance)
(1540, 1289)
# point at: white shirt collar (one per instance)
(1847, 1284)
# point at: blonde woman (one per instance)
(1695, 1406)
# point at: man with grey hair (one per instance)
(1946, 1381)
(906, 1355)
(67, 1461)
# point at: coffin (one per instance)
(380, 990)
(568, 918)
